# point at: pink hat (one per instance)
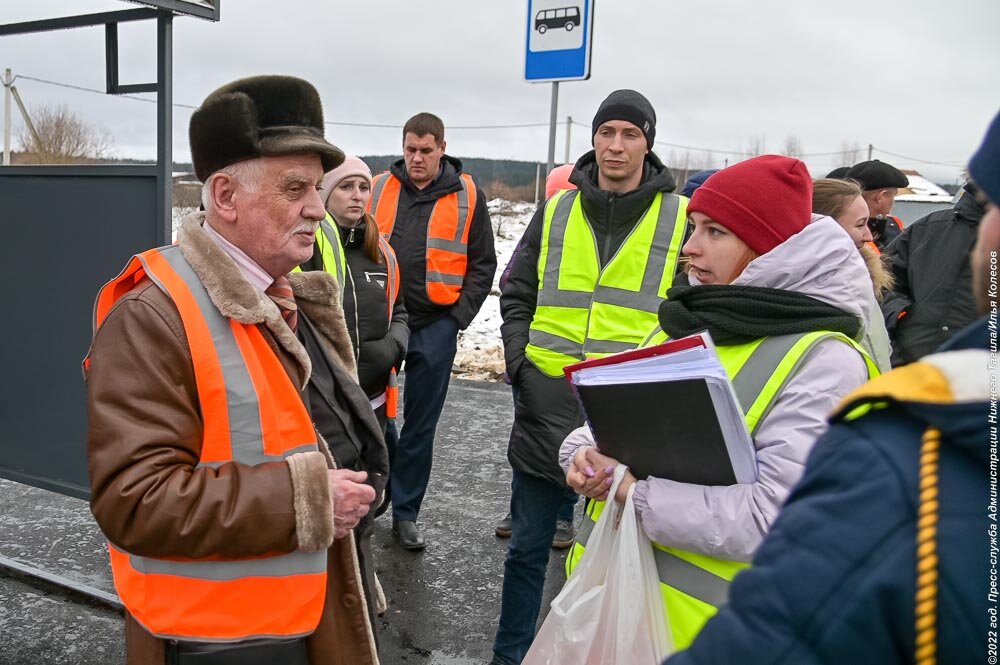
(764, 201)
(352, 166)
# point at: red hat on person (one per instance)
(764, 201)
(557, 179)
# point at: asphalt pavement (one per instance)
(443, 602)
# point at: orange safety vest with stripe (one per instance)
(391, 293)
(253, 414)
(447, 233)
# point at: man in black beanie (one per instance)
(588, 305)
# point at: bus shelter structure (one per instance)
(67, 229)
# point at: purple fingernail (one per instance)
(609, 481)
(609, 470)
(589, 471)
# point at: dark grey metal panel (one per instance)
(67, 231)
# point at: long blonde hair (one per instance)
(832, 197)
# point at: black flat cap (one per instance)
(877, 175)
(257, 117)
(839, 173)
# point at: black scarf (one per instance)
(740, 314)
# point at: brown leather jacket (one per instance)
(144, 441)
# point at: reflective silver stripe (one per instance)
(556, 241)
(552, 342)
(380, 181)
(444, 278)
(447, 245)
(750, 381)
(242, 404)
(306, 448)
(333, 238)
(647, 301)
(575, 299)
(677, 573)
(463, 214)
(246, 436)
(284, 565)
(662, 239)
(608, 346)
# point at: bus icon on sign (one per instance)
(564, 17)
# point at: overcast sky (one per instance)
(920, 78)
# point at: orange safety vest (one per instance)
(253, 414)
(391, 292)
(447, 233)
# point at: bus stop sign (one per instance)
(559, 39)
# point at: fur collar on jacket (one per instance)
(316, 294)
(881, 278)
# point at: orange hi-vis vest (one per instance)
(391, 292)
(252, 414)
(447, 233)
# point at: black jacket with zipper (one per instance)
(933, 280)
(409, 240)
(545, 410)
(379, 344)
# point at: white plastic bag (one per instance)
(610, 612)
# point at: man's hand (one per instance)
(351, 499)
(591, 473)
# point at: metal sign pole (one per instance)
(569, 134)
(552, 127)
(164, 128)
(7, 81)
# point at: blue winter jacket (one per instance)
(834, 581)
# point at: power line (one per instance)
(330, 122)
(719, 151)
(953, 163)
(95, 90)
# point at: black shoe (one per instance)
(564, 535)
(408, 535)
(504, 527)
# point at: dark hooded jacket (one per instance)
(933, 291)
(545, 410)
(409, 240)
(835, 581)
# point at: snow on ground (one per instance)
(480, 350)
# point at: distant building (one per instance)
(920, 198)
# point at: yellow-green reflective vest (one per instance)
(331, 250)
(586, 312)
(695, 585)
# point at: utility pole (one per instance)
(552, 127)
(870, 148)
(538, 180)
(9, 91)
(569, 127)
(6, 117)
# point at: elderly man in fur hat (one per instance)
(229, 528)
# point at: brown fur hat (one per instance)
(256, 117)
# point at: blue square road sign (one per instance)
(558, 40)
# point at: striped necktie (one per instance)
(280, 292)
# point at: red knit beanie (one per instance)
(764, 201)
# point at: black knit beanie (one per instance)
(630, 106)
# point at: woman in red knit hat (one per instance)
(778, 294)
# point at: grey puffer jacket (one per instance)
(730, 522)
